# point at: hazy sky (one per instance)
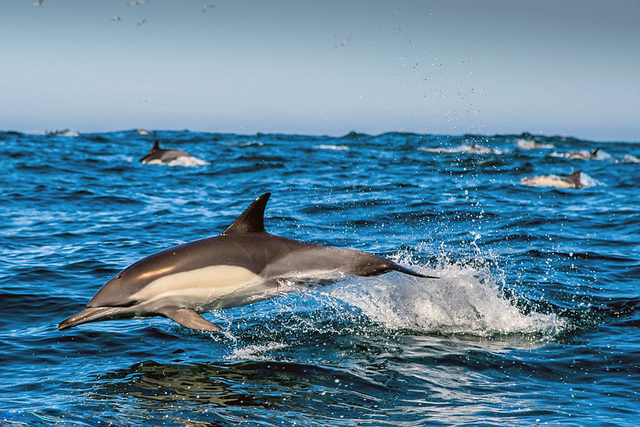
(321, 67)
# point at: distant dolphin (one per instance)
(583, 155)
(163, 156)
(596, 154)
(576, 180)
(242, 265)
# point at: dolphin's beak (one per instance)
(89, 315)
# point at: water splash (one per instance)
(187, 161)
(628, 158)
(255, 351)
(465, 300)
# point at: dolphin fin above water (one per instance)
(243, 265)
(576, 179)
(251, 220)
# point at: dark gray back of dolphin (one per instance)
(250, 225)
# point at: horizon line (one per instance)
(352, 132)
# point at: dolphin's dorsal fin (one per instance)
(156, 145)
(576, 178)
(252, 219)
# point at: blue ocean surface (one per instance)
(534, 319)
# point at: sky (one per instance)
(567, 67)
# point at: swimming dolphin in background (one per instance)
(242, 265)
(576, 180)
(159, 155)
(596, 154)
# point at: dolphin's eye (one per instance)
(119, 276)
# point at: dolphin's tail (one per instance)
(397, 267)
(93, 314)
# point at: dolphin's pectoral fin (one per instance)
(189, 319)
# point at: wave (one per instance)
(355, 135)
(272, 390)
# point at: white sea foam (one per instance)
(64, 132)
(628, 158)
(530, 144)
(255, 351)
(187, 161)
(245, 144)
(251, 144)
(464, 300)
(587, 181)
(332, 147)
(441, 150)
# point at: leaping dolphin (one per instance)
(244, 264)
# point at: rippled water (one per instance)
(534, 319)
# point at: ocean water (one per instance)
(534, 319)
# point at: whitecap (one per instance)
(332, 147)
(530, 144)
(244, 144)
(187, 161)
(628, 158)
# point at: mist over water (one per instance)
(533, 319)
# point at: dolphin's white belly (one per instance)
(153, 162)
(203, 289)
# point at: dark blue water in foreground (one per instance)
(535, 319)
